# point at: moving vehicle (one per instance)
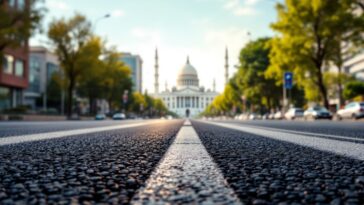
(317, 112)
(294, 113)
(119, 116)
(354, 110)
(100, 117)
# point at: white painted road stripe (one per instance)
(66, 133)
(306, 133)
(186, 174)
(349, 149)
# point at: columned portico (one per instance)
(187, 99)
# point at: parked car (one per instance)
(271, 116)
(118, 116)
(354, 110)
(253, 116)
(100, 117)
(294, 113)
(317, 112)
(278, 115)
(243, 116)
(265, 116)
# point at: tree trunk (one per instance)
(70, 98)
(340, 87)
(322, 88)
(90, 102)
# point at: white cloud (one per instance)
(241, 7)
(117, 13)
(57, 4)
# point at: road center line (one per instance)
(59, 134)
(348, 149)
(186, 174)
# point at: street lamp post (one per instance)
(100, 18)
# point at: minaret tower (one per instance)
(226, 66)
(156, 73)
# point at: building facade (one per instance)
(135, 63)
(187, 98)
(43, 64)
(355, 66)
(14, 72)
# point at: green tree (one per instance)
(116, 79)
(69, 37)
(54, 90)
(306, 37)
(159, 107)
(251, 79)
(138, 102)
(17, 25)
(90, 83)
(331, 80)
(353, 89)
(348, 40)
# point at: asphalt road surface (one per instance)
(182, 162)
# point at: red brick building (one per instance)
(14, 72)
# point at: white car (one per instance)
(278, 115)
(317, 112)
(253, 116)
(294, 113)
(354, 110)
(118, 116)
(243, 117)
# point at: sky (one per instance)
(200, 29)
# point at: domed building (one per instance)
(187, 98)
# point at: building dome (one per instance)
(187, 75)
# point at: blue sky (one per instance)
(198, 28)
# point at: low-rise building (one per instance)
(43, 64)
(14, 68)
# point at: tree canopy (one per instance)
(18, 24)
(307, 36)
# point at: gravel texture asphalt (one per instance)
(8, 129)
(343, 128)
(106, 167)
(267, 171)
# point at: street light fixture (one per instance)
(100, 18)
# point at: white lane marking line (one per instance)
(306, 133)
(348, 149)
(66, 133)
(186, 174)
